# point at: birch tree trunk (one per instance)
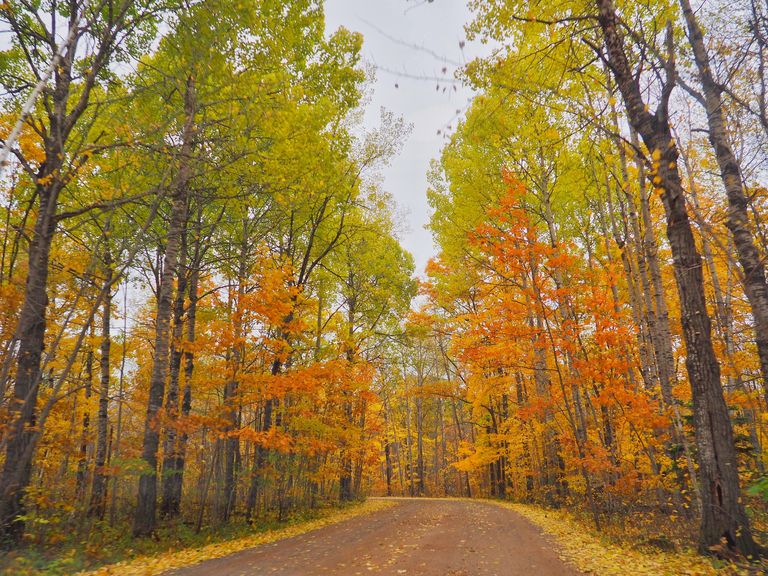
(755, 286)
(98, 502)
(723, 515)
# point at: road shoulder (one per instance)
(580, 547)
(149, 565)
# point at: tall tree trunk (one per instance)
(724, 322)
(723, 515)
(232, 449)
(345, 455)
(231, 444)
(175, 477)
(661, 332)
(145, 517)
(30, 333)
(409, 443)
(345, 478)
(420, 488)
(755, 286)
(662, 337)
(82, 458)
(388, 463)
(261, 453)
(120, 391)
(99, 489)
(359, 465)
(170, 507)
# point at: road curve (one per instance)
(419, 537)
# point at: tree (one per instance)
(723, 514)
(755, 286)
(144, 521)
(57, 122)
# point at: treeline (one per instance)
(199, 274)
(596, 318)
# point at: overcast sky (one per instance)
(408, 84)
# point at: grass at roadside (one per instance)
(594, 554)
(176, 546)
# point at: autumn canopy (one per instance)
(207, 318)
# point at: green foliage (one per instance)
(759, 488)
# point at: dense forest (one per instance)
(199, 271)
(207, 316)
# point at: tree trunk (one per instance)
(145, 517)
(409, 444)
(82, 458)
(359, 465)
(261, 453)
(231, 447)
(420, 489)
(755, 286)
(345, 478)
(175, 480)
(662, 334)
(99, 490)
(170, 506)
(30, 332)
(388, 465)
(723, 515)
(120, 391)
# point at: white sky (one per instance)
(392, 28)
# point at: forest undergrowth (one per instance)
(110, 550)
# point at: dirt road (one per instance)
(416, 537)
